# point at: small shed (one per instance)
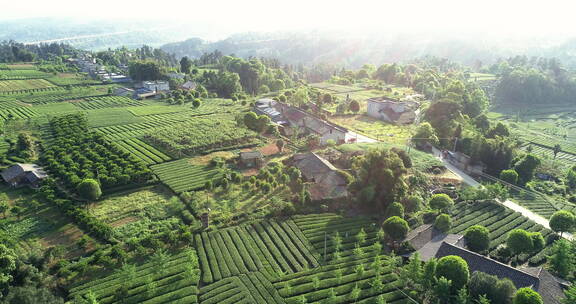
(251, 159)
(188, 85)
(24, 174)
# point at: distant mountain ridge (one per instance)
(353, 51)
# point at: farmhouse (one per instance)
(188, 85)
(328, 182)
(23, 174)
(430, 243)
(251, 159)
(155, 86)
(394, 111)
(325, 130)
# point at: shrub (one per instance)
(443, 222)
(519, 241)
(412, 204)
(440, 202)
(538, 242)
(395, 228)
(477, 238)
(562, 221)
(455, 269)
(509, 176)
(527, 296)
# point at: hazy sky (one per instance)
(496, 16)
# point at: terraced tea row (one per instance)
(148, 154)
(29, 85)
(92, 103)
(164, 280)
(18, 113)
(269, 246)
(499, 220)
(245, 288)
(181, 176)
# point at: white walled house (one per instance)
(394, 111)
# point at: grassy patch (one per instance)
(375, 128)
(110, 117)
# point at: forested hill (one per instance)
(353, 50)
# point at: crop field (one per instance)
(213, 133)
(375, 128)
(93, 103)
(40, 225)
(167, 279)
(148, 154)
(111, 117)
(22, 74)
(8, 103)
(499, 220)
(270, 246)
(24, 85)
(182, 176)
(543, 127)
(122, 209)
(55, 108)
(72, 79)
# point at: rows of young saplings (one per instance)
(253, 287)
(367, 279)
(168, 279)
(338, 236)
(200, 134)
(268, 246)
(181, 176)
(8, 87)
(93, 103)
(18, 113)
(567, 158)
(146, 153)
(499, 220)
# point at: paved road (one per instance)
(359, 138)
(508, 203)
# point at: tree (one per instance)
(441, 202)
(477, 238)
(519, 241)
(443, 222)
(570, 295)
(527, 296)
(412, 203)
(280, 145)
(89, 189)
(395, 228)
(354, 106)
(538, 242)
(496, 290)
(509, 176)
(562, 259)
(196, 103)
(4, 206)
(7, 264)
(525, 168)
(395, 209)
(556, 150)
(425, 134)
(455, 269)
(30, 294)
(185, 65)
(562, 221)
